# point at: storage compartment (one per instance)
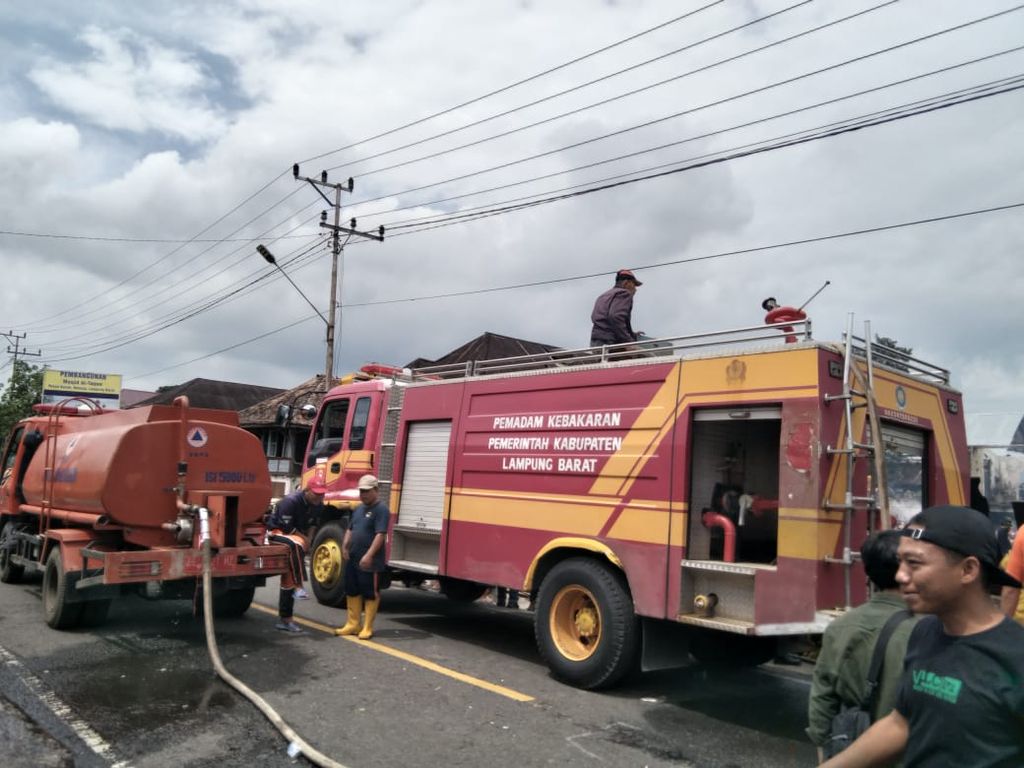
(734, 473)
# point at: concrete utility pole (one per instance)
(17, 351)
(334, 305)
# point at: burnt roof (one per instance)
(264, 413)
(208, 393)
(487, 346)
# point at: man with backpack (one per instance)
(841, 676)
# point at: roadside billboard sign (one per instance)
(105, 388)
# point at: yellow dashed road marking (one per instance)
(501, 690)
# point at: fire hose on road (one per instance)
(296, 744)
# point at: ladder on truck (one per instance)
(858, 392)
(85, 406)
(386, 463)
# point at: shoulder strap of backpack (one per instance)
(878, 655)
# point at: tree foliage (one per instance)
(23, 390)
(896, 360)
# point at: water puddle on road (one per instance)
(149, 691)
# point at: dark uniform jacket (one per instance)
(840, 675)
(612, 318)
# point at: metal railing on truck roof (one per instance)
(882, 354)
(898, 360)
(669, 346)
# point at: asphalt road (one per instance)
(441, 684)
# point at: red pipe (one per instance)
(711, 519)
(65, 515)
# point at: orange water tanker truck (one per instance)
(106, 503)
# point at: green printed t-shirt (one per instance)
(963, 696)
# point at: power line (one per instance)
(173, 285)
(592, 275)
(165, 256)
(98, 238)
(144, 334)
(848, 128)
(381, 135)
(502, 114)
(611, 99)
(541, 202)
(581, 86)
(167, 285)
(692, 110)
(197, 307)
(517, 83)
(406, 223)
(707, 257)
(802, 137)
(180, 286)
(227, 349)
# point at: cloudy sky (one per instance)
(157, 140)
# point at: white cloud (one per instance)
(133, 83)
(315, 77)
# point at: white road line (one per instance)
(62, 711)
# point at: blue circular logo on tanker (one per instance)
(901, 397)
(197, 437)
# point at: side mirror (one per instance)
(308, 410)
(284, 415)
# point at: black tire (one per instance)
(94, 613)
(586, 629)
(57, 610)
(462, 591)
(326, 568)
(726, 649)
(9, 572)
(233, 603)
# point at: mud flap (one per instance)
(665, 645)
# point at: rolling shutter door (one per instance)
(426, 467)
(909, 442)
(906, 469)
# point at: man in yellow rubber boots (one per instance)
(363, 553)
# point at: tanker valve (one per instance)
(182, 528)
(704, 605)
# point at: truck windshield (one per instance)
(329, 432)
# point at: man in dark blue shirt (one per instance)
(363, 552)
(613, 312)
(292, 517)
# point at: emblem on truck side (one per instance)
(197, 437)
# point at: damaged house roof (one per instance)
(208, 393)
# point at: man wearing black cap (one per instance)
(613, 312)
(961, 700)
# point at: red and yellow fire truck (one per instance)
(709, 494)
(107, 502)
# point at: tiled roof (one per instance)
(264, 413)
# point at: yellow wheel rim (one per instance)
(575, 620)
(327, 563)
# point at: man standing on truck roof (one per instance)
(363, 552)
(613, 311)
(292, 518)
(961, 699)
